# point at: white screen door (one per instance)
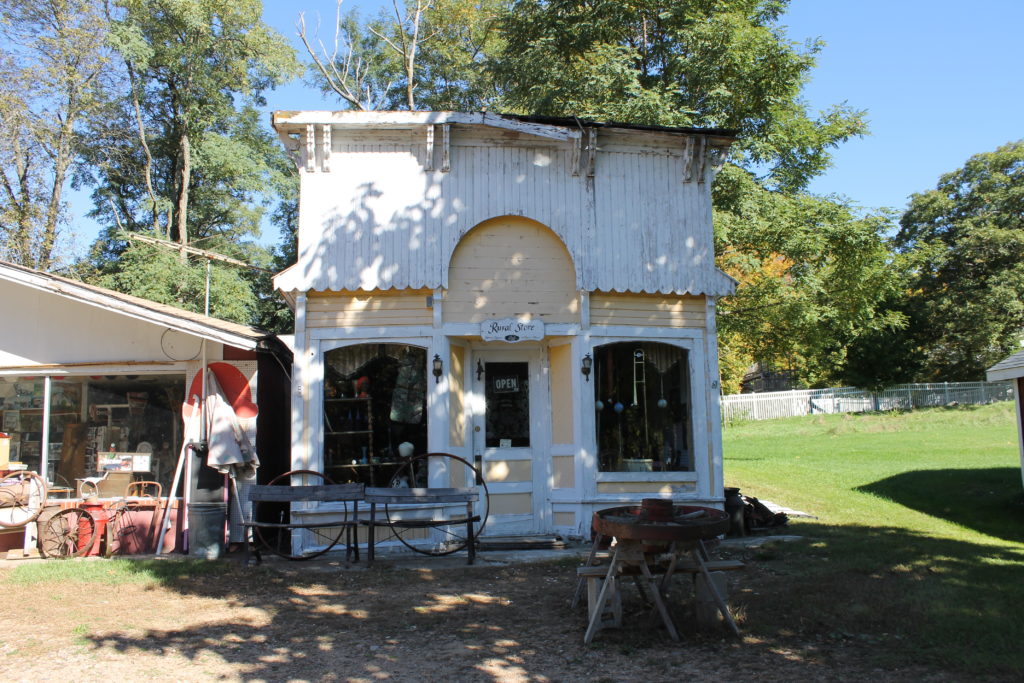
(507, 390)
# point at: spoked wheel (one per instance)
(22, 497)
(69, 533)
(124, 534)
(453, 531)
(281, 543)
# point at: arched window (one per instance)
(375, 399)
(644, 408)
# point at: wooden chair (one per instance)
(144, 489)
(110, 485)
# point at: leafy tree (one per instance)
(161, 275)
(52, 60)
(182, 152)
(420, 54)
(813, 277)
(965, 240)
(705, 63)
(812, 270)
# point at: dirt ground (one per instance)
(320, 621)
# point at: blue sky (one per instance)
(940, 81)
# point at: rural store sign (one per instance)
(511, 330)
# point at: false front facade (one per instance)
(535, 296)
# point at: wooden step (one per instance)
(520, 543)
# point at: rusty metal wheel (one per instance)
(69, 533)
(22, 498)
(450, 534)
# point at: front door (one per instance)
(508, 433)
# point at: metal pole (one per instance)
(44, 438)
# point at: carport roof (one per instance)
(187, 322)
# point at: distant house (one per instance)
(533, 295)
(1013, 368)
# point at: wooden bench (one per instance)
(428, 496)
(324, 493)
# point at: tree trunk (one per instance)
(62, 161)
(185, 151)
(148, 167)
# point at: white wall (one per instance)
(380, 219)
(41, 328)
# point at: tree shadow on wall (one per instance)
(988, 500)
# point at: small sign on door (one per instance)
(506, 385)
(504, 443)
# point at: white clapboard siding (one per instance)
(355, 309)
(378, 219)
(510, 267)
(646, 310)
(777, 404)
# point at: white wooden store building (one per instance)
(533, 295)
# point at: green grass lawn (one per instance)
(918, 545)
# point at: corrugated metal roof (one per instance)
(213, 329)
(590, 123)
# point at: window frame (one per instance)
(699, 417)
(315, 405)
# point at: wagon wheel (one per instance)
(69, 533)
(22, 497)
(327, 536)
(453, 532)
(123, 531)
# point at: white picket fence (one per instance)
(775, 404)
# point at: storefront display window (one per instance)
(92, 420)
(375, 400)
(644, 409)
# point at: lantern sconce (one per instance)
(585, 367)
(479, 370)
(438, 368)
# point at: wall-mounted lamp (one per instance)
(585, 367)
(479, 370)
(438, 368)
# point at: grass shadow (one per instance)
(988, 500)
(896, 595)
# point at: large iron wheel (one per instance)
(69, 533)
(281, 542)
(123, 531)
(453, 532)
(22, 498)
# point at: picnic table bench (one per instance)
(423, 496)
(322, 493)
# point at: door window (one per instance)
(507, 396)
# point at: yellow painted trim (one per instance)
(560, 358)
(511, 503)
(563, 471)
(456, 397)
(647, 310)
(508, 471)
(564, 518)
(511, 266)
(360, 309)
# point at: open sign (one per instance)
(506, 385)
